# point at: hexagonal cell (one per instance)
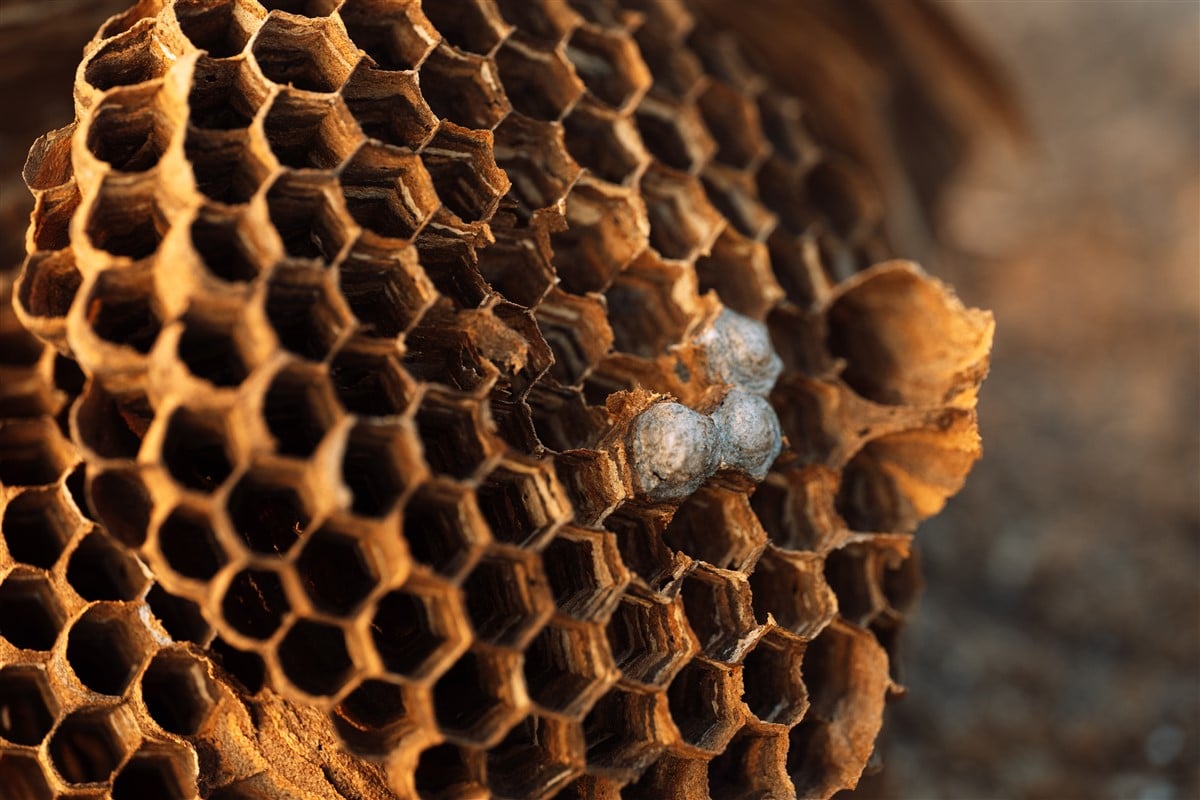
(388, 191)
(245, 667)
(314, 658)
(790, 586)
(568, 666)
(683, 224)
(534, 156)
(395, 36)
(674, 133)
(298, 408)
(131, 128)
(455, 433)
(158, 772)
(739, 270)
(304, 313)
(585, 572)
(104, 649)
(705, 703)
(225, 95)
(610, 64)
(179, 617)
(337, 570)
(720, 612)
(197, 449)
(462, 164)
(455, 349)
(518, 266)
(577, 330)
(88, 746)
(735, 194)
(48, 164)
(523, 502)
(685, 775)
(226, 168)
(23, 776)
(48, 285)
(122, 309)
(639, 539)
(475, 26)
(300, 54)
(375, 717)
(752, 765)
(37, 525)
(625, 732)
(307, 212)
(30, 614)
(120, 501)
(647, 304)
(443, 528)
(463, 88)
(187, 541)
(449, 251)
(718, 526)
(733, 121)
(255, 603)
(566, 423)
(774, 688)
(607, 228)
(99, 569)
(369, 380)
(650, 639)
(508, 598)
(389, 106)
(221, 28)
(306, 131)
(480, 697)
(537, 756)
(447, 771)
(381, 460)
(386, 289)
(178, 692)
(212, 347)
(605, 142)
(538, 80)
(268, 511)
(27, 707)
(134, 56)
(417, 629)
(125, 221)
(226, 251)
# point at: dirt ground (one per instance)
(1056, 650)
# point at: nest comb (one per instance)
(474, 399)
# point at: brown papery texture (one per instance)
(317, 396)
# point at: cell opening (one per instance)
(567, 667)
(303, 315)
(291, 53)
(225, 252)
(396, 37)
(650, 639)
(222, 28)
(704, 705)
(337, 571)
(774, 689)
(244, 666)
(226, 170)
(450, 433)
(30, 614)
(24, 777)
(88, 746)
(268, 514)
(585, 572)
(132, 57)
(310, 132)
(48, 285)
(124, 223)
(314, 657)
(298, 409)
(122, 504)
(100, 570)
(255, 603)
(177, 692)
(211, 351)
(37, 526)
(195, 449)
(463, 88)
(306, 220)
(539, 82)
(27, 709)
(461, 163)
(388, 191)
(130, 129)
(412, 631)
(520, 507)
(151, 773)
(467, 699)
(370, 382)
(507, 599)
(606, 143)
(446, 770)
(389, 107)
(374, 717)
(387, 296)
(124, 311)
(609, 64)
(103, 651)
(188, 542)
(180, 617)
(222, 97)
(444, 529)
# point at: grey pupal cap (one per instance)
(738, 351)
(748, 432)
(673, 449)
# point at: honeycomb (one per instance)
(487, 398)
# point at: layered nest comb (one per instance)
(470, 399)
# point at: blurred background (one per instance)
(1056, 650)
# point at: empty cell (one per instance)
(389, 106)
(225, 95)
(180, 617)
(178, 692)
(197, 450)
(754, 763)
(189, 544)
(303, 312)
(211, 349)
(131, 128)
(683, 224)
(462, 165)
(704, 699)
(30, 614)
(639, 539)
(568, 666)
(246, 667)
(50, 227)
(298, 54)
(104, 649)
(379, 463)
(336, 570)
(416, 629)
(774, 688)
(645, 310)
(537, 756)
(387, 291)
(37, 525)
(739, 270)
(134, 56)
(719, 527)
(522, 502)
(577, 330)
(732, 119)
(720, 612)
(268, 511)
(27, 707)
(446, 770)
(23, 776)
(454, 433)
(226, 251)
(396, 36)
(607, 228)
(850, 573)
(609, 64)
(625, 732)
(48, 284)
(221, 28)
(314, 658)
(650, 639)
(507, 596)
(87, 746)
(475, 25)
(463, 88)
(388, 191)
(155, 772)
(122, 504)
(790, 587)
(674, 133)
(374, 717)
(122, 310)
(585, 572)
(306, 211)
(538, 80)
(227, 170)
(518, 266)
(565, 421)
(299, 408)
(254, 603)
(474, 700)
(99, 569)
(605, 142)
(304, 131)
(443, 528)
(369, 380)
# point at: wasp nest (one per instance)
(477, 399)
